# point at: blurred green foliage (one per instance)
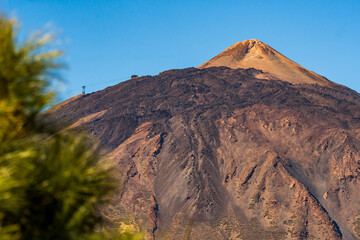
(50, 183)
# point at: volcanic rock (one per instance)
(256, 54)
(249, 145)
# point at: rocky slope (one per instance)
(228, 153)
(256, 54)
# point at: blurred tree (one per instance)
(50, 183)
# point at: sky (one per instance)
(105, 42)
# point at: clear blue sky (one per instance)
(109, 40)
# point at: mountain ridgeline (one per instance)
(249, 145)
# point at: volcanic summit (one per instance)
(256, 54)
(249, 145)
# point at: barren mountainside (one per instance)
(229, 152)
(256, 54)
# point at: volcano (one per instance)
(256, 54)
(249, 145)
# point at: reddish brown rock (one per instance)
(221, 153)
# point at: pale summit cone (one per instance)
(256, 54)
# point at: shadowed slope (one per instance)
(217, 153)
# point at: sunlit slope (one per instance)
(256, 54)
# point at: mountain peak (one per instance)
(248, 43)
(255, 54)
